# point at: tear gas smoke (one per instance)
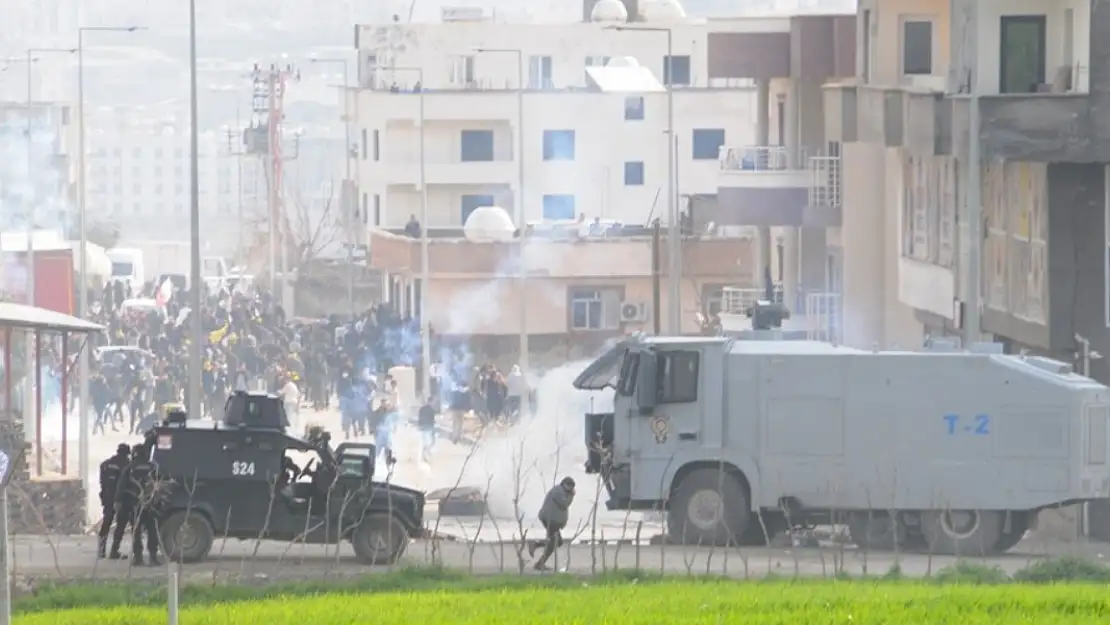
(32, 196)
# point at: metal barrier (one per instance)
(824, 183)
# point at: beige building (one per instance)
(577, 293)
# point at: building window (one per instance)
(377, 146)
(597, 61)
(365, 204)
(679, 67)
(1021, 64)
(917, 46)
(377, 210)
(462, 70)
(1015, 205)
(470, 203)
(634, 173)
(707, 143)
(558, 207)
(476, 146)
(634, 108)
(540, 72)
(365, 146)
(593, 309)
(558, 145)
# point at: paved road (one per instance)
(265, 561)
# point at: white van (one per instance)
(127, 267)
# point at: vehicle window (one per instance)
(678, 377)
(630, 368)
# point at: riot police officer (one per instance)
(136, 499)
(110, 471)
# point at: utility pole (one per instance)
(234, 138)
(268, 105)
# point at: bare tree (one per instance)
(312, 228)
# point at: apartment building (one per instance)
(579, 111)
(138, 178)
(787, 182)
(903, 124)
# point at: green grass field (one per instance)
(662, 602)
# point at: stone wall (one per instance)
(50, 504)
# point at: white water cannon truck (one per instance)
(948, 450)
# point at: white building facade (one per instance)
(138, 178)
(586, 152)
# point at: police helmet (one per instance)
(123, 449)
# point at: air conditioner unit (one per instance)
(632, 312)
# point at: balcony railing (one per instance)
(825, 179)
(755, 158)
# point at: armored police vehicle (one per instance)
(947, 450)
(238, 479)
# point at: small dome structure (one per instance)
(609, 11)
(622, 61)
(489, 224)
(663, 11)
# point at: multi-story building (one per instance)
(37, 177)
(138, 179)
(904, 126)
(585, 142)
(757, 176)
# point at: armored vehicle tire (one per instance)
(876, 530)
(708, 507)
(187, 536)
(380, 539)
(962, 532)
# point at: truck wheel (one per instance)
(708, 507)
(380, 539)
(962, 532)
(187, 536)
(1019, 524)
(876, 530)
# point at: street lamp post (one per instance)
(29, 403)
(83, 252)
(425, 324)
(348, 184)
(196, 319)
(518, 209)
(31, 216)
(674, 246)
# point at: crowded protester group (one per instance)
(141, 361)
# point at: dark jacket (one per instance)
(556, 506)
(137, 484)
(110, 471)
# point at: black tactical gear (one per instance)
(110, 472)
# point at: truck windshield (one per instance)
(122, 269)
(602, 373)
(630, 368)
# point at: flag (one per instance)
(218, 335)
(165, 292)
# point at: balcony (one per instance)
(441, 105)
(407, 173)
(760, 166)
(814, 315)
(760, 186)
(1035, 127)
